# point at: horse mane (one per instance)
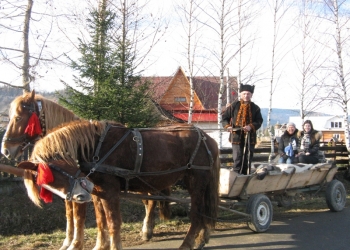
(58, 113)
(32, 188)
(77, 138)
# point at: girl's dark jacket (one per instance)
(314, 146)
(285, 140)
(229, 119)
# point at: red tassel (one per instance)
(33, 127)
(44, 177)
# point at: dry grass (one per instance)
(24, 226)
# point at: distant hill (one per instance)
(282, 115)
(7, 94)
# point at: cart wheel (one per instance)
(335, 196)
(260, 208)
(284, 200)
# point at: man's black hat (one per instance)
(246, 87)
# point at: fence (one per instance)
(338, 153)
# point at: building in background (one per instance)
(172, 97)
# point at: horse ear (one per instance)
(27, 165)
(32, 94)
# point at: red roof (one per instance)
(198, 117)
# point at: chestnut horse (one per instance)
(119, 159)
(18, 140)
(70, 184)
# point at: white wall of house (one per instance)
(320, 122)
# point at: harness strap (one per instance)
(125, 173)
(210, 155)
(189, 164)
(201, 137)
(96, 157)
(72, 180)
(102, 138)
(139, 147)
(128, 174)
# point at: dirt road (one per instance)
(320, 230)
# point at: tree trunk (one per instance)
(26, 78)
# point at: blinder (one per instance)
(74, 181)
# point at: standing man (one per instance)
(245, 116)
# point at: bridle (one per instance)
(26, 143)
(73, 181)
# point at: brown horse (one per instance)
(65, 182)
(147, 160)
(70, 184)
(17, 141)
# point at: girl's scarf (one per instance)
(305, 142)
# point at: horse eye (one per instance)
(18, 118)
(83, 183)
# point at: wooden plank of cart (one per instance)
(279, 182)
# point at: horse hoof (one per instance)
(200, 246)
(146, 236)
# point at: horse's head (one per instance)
(23, 128)
(58, 177)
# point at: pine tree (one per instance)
(107, 87)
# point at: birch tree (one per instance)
(26, 41)
(219, 21)
(189, 14)
(279, 9)
(340, 20)
(310, 60)
(245, 35)
(26, 11)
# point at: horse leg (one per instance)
(164, 206)
(198, 233)
(79, 216)
(149, 220)
(102, 240)
(69, 226)
(113, 218)
(202, 238)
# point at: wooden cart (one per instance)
(279, 182)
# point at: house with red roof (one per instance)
(172, 97)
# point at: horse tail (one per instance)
(32, 188)
(211, 198)
(164, 206)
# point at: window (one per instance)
(336, 136)
(180, 99)
(336, 124)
